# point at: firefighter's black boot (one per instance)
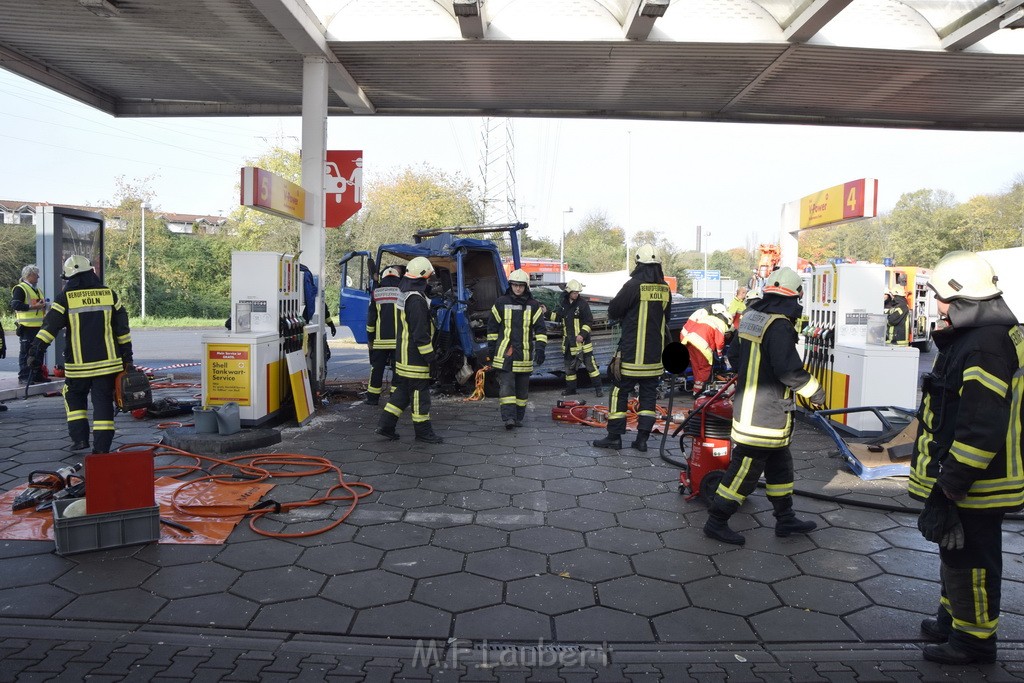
(613, 441)
(717, 526)
(786, 522)
(425, 433)
(570, 388)
(640, 442)
(597, 387)
(386, 425)
(939, 627)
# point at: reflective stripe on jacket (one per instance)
(769, 372)
(382, 318)
(97, 330)
(969, 432)
(898, 321)
(414, 340)
(29, 317)
(643, 308)
(576, 320)
(515, 332)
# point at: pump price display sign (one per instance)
(228, 373)
(271, 193)
(850, 201)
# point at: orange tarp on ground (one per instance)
(229, 500)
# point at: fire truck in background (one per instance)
(924, 314)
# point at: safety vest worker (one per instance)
(643, 305)
(769, 372)
(381, 330)
(99, 345)
(414, 352)
(29, 306)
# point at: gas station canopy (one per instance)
(954, 64)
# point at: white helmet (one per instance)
(720, 309)
(898, 290)
(74, 265)
(390, 271)
(647, 254)
(419, 268)
(574, 286)
(752, 294)
(519, 275)
(784, 281)
(964, 275)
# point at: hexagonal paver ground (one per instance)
(368, 589)
(756, 566)
(458, 592)
(550, 594)
(825, 595)
(642, 595)
(546, 540)
(423, 561)
(469, 539)
(589, 564)
(503, 622)
(279, 584)
(505, 564)
(732, 595)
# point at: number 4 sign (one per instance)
(343, 180)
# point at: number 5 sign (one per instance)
(343, 183)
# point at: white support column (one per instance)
(312, 238)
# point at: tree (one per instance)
(17, 250)
(595, 246)
(920, 227)
(260, 231)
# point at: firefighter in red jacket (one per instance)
(99, 346)
(704, 337)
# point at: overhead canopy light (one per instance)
(466, 8)
(653, 8)
(101, 8)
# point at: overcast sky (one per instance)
(731, 179)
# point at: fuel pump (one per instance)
(844, 344)
(249, 364)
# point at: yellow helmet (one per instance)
(898, 290)
(574, 286)
(647, 254)
(519, 275)
(419, 268)
(74, 265)
(785, 282)
(964, 275)
(390, 271)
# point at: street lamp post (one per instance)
(561, 247)
(145, 205)
(707, 234)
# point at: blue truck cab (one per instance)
(468, 278)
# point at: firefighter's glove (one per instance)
(429, 357)
(492, 350)
(939, 521)
(3, 351)
(539, 357)
(818, 399)
(334, 330)
(35, 356)
(129, 362)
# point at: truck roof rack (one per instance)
(420, 235)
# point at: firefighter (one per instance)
(414, 351)
(381, 324)
(516, 342)
(769, 373)
(704, 335)
(29, 306)
(642, 305)
(897, 314)
(577, 349)
(966, 465)
(99, 346)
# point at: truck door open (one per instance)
(356, 276)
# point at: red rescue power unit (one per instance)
(562, 412)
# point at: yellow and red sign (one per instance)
(228, 373)
(849, 201)
(271, 193)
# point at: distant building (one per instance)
(18, 212)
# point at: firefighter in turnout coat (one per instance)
(769, 372)
(516, 342)
(643, 305)
(414, 351)
(704, 336)
(99, 346)
(381, 326)
(577, 350)
(897, 317)
(966, 465)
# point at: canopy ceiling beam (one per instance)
(804, 25)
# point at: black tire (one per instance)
(709, 484)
